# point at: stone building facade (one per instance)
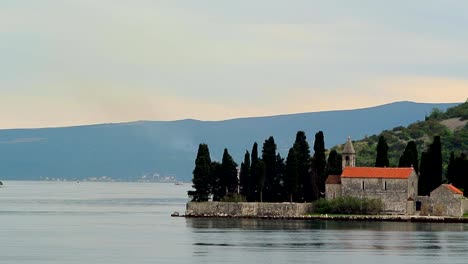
(333, 187)
(396, 187)
(446, 200)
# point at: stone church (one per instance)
(396, 187)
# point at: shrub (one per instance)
(425, 209)
(349, 205)
(234, 198)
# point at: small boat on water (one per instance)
(178, 183)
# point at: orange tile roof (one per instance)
(333, 179)
(370, 172)
(453, 189)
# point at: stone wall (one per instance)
(465, 206)
(445, 203)
(393, 192)
(248, 209)
(332, 191)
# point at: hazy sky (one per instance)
(70, 62)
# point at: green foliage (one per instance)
(260, 172)
(234, 198)
(410, 157)
(229, 171)
(201, 175)
(320, 163)
(279, 193)
(349, 205)
(269, 158)
(457, 171)
(460, 111)
(218, 190)
(244, 175)
(334, 163)
(382, 153)
(292, 175)
(431, 168)
(421, 133)
(302, 151)
(253, 174)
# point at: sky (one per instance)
(74, 62)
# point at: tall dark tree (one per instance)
(319, 163)
(278, 189)
(244, 175)
(292, 175)
(382, 153)
(201, 175)
(269, 158)
(435, 150)
(457, 171)
(314, 177)
(260, 172)
(431, 168)
(424, 170)
(334, 164)
(218, 189)
(229, 169)
(302, 151)
(253, 174)
(410, 157)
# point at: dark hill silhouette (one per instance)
(127, 151)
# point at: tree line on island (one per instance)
(268, 177)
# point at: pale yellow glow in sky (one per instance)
(80, 62)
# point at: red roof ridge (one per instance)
(453, 189)
(377, 172)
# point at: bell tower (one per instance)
(348, 155)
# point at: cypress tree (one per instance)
(229, 170)
(315, 193)
(260, 172)
(320, 164)
(334, 164)
(201, 175)
(410, 157)
(435, 150)
(217, 187)
(382, 153)
(244, 175)
(457, 171)
(253, 173)
(292, 176)
(279, 191)
(269, 158)
(302, 151)
(424, 168)
(431, 168)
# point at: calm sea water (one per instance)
(69, 222)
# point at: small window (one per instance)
(385, 186)
(363, 185)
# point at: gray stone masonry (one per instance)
(248, 209)
(394, 193)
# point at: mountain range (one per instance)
(145, 149)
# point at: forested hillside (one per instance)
(451, 126)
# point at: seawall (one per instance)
(222, 209)
(297, 211)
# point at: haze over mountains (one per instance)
(128, 151)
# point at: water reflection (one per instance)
(327, 241)
(278, 225)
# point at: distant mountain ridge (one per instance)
(127, 151)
